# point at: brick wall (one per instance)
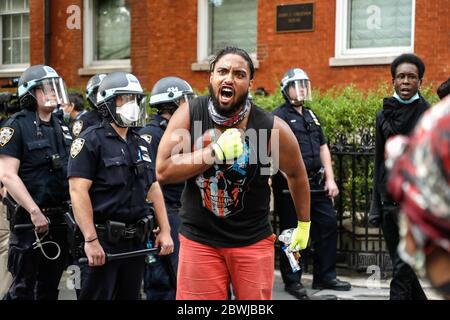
(164, 42)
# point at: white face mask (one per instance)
(128, 112)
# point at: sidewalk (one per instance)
(362, 289)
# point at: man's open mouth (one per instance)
(226, 94)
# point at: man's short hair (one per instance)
(444, 89)
(408, 58)
(233, 50)
(77, 99)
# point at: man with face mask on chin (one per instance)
(34, 148)
(225, 233)
(399, 115)
(112, 180)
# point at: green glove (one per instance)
(300, 236)
(229, 145)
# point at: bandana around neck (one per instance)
(224, 121)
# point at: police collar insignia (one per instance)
(77, 127)
(76, 147)
(6, 134)
(224, 121)
(147, 137)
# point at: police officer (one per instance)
(34, 148)
(92, 117)
(73, 111)
(167, 95)
(296, 89)
(111, 174)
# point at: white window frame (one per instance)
(204, 38)
(13, 69)
(363, 56)
(91, 66)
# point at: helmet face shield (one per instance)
(130, 112)
(51, 93)
(298, 91)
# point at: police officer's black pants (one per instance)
(160, 276)
(115, 280)
(34, 276)
(405, 284)
(323, 236)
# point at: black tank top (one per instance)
(228, 205)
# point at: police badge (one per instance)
(6, 134)
(77, 127)
(147, 137)
(76, 147)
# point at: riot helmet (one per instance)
(41, 85)
(169, 93)
(296, 87)
(119, 98)
(92, 88)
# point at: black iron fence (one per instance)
(360, 245)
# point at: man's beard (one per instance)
(233, 109)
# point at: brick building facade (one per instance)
(166, 39)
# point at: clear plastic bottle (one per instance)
(285, 238)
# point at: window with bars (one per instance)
(14, 32)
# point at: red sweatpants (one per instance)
(204, 272)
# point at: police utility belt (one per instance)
(114, 231)
(18, 215)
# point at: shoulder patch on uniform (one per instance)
(76, 147)
(6, 134)
(147, 137)
(77, 127)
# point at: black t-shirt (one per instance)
(43, 153)
(121, 172)
(153, 133)
(228, 204)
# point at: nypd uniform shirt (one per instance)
(121, 172)
(21, 139)
(308, 132)
(153, 133)
(84, 121)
